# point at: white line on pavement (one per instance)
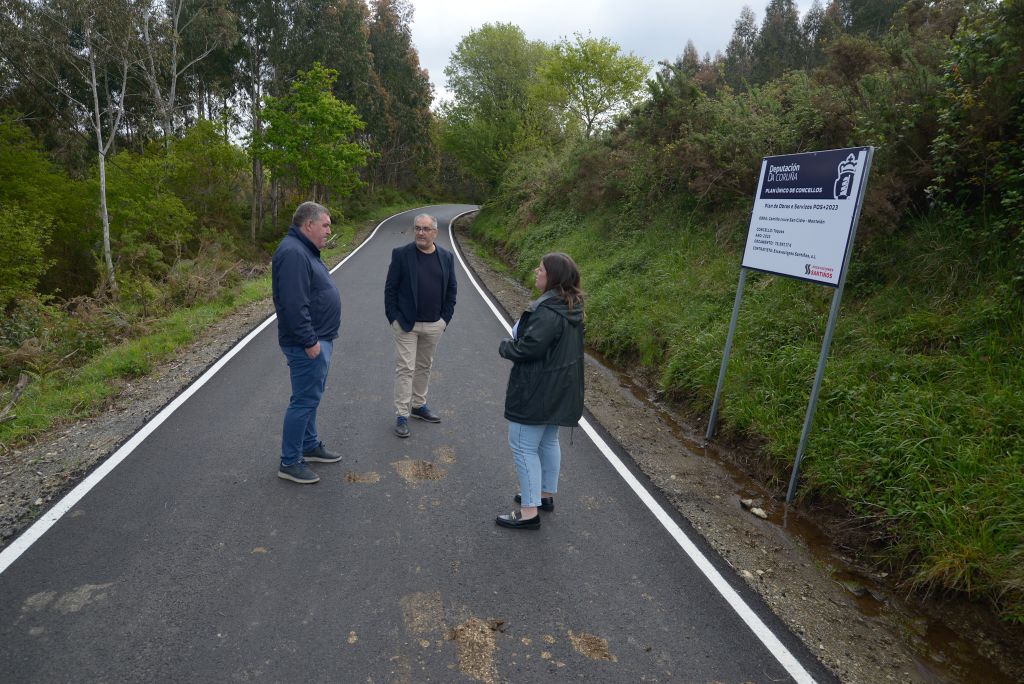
(756, 625)
(57, 511)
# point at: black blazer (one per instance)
(400, 287)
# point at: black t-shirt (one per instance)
(428, 292)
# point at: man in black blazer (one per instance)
(419, 301)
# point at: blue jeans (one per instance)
(309, 376)
(538, 459)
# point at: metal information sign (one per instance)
(802, 226)
(802, 220)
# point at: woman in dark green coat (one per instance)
(545, 387)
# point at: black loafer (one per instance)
(547, 503)
(516, 521)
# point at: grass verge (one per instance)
(56, 397)
(918, 429)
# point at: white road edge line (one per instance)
(40, 527)
(756, 625)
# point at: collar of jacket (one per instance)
(297, 232)
(549, 294)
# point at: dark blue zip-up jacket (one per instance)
(307, 302)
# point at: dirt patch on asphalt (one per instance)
(362, 478)
(848, 617)
(423, 613)
(593, 647)
(418, 471)
(475, 644)
(445, 454)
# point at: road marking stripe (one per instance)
(756, 625)
(57, 511)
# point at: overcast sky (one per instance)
(652, 29)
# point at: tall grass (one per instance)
(919, 429)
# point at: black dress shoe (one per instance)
(516, 521)
(424, 413)
(547, 503)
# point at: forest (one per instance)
(151, 154)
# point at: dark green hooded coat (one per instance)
(545, 386)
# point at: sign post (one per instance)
(802, 226)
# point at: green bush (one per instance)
(22, 260)
(979, 149)
(212, 178)
(150, 228)
(60, 207)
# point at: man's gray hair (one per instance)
(433, 221)
(308, 211)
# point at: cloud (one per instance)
(653, 29)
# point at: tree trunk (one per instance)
(108, 257)
(275, 201)
(256, 220)
(101, 150)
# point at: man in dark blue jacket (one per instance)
(419, 301)
(308, 317)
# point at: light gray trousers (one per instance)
(414, 357)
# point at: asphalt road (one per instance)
(191, 561)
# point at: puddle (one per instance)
(940, 654)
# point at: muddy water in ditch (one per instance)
(941, 655)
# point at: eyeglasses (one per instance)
(423, 229)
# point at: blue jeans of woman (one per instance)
(538, 459)
(309, 377)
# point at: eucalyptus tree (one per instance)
(779, 46)
(335, 34)
(92, 49)
(739, 54)
(166, 27)
(814, 28)
(871, 17)
(399, 124)
(261, 29)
